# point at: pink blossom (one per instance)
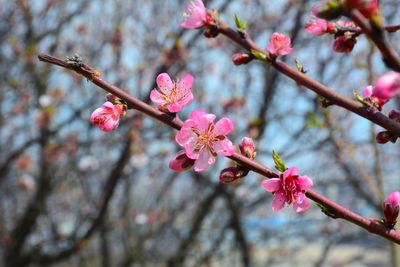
(391, 207)
(317, 26)
(387, 86)
(107, 116)
(196, 15)
(344, 43)
(289, 188)
(279, 44)
(181, 162)
(366, 7)
(172, 96)
(203, 140)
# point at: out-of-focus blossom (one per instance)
(391, 207)
(280, 44)
(290, 188)
(107, 116)
(344, 43)
(366, 7)
(203, 140)
(181, 162)
(318, 26)
(387, 86)
(172, 96)
(196, 15)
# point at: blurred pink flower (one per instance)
(289, 188)
(279, 44)
(366, 7)
(203, 140)
(387, 86)
(195, 16)
(107, 116)
(172, 96)
(317, 26)
(181, 162)
(391, 207)
(344, 43)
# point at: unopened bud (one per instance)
(241, 58)
(384, 137)
(391, 208)
(181, 162)
(394, 114)
(247, 148)
(231, 174)
(211, 31)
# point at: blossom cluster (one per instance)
(202, 139)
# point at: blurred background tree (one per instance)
(71, 195)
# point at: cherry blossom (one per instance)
(366, 7)
(387, 86)
(290, 188)
(196, 15)
(279, 44)
(172, 96)
(318, 26)
(107, 116)
(203, 140)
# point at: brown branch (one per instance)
(333, 208)
(300, 78)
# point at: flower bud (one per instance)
(344, 43)
(391, 207)
(181, 162)
(247, 148)
(394, 114)
(231, 174)
(241, 58)
(384, 137)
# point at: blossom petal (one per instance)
(175, 107)
(292, 171)
(223, 127)
(299, 207)
(367, 92)
(157, 98)
(186, 99)
(185, 136)
(224, 148)
(279, 201)
(185, 83)
(272, 185)
(304, 183)
(165, 83)
(205, 159)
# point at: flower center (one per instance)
(207, 139)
